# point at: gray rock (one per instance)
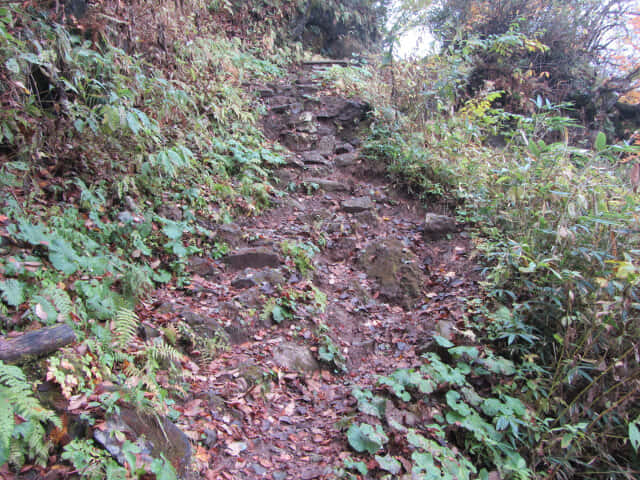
(250, 278)
(229, 233)
(253, 258)
(395, 269)
(437, 226)
(204, 326)
(293, 203)
(326, 185)
(446, 329)
(211, 437)
(172, 212)
(305, 117)
(203, 267)
(154, 434)
(346, 159)
(357, 204)
(314, 158)
(326, 145)
(292, 356)
(344, 148)
(297, 141)
(368, 217)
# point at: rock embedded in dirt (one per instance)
(326, 145)
(326, 184)
(357, 204)
(343, 148)
(155, 435)
(368, 218)
(292, 356)
(437, 226)
(204, 326)
(203, 267)
(259, 257)
(314, 158)
(250, 278)
(229, 233)
(395, 269)
(346, 159)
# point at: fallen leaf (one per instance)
(235, 448)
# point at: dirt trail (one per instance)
(267, 408)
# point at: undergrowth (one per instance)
(114, 170)
(556, 222)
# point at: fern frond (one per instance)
(162, 351)
(27, 439)
(61, 301)
(126, 326)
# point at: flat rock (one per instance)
(437, 226)
(259, 257)
(155, 436)
(327, 185)
(346, 159)
(315, 158)
(295, 357)
(357, 204)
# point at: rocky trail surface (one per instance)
(276, 404)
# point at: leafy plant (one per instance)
(23, 421)
(301, 254)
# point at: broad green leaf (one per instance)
(364, 438)
(389, 464)
(359, 467)
(634, 434)
(14, 67)
(368, 403)
(133, 123)
(173, 230)
(161, 276)
(278, 314)
(443, 342)
(601, 141)
(12, 292)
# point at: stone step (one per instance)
(326, 184)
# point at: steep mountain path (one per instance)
(267, 407)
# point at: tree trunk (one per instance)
(36, 343)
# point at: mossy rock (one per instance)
(395, 269)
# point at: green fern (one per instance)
(27, 439)
(126, 327)
(162, 351)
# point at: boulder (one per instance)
(292, 356)
(395, 270)
(253, 258)
(357, 204)
(437, 226)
